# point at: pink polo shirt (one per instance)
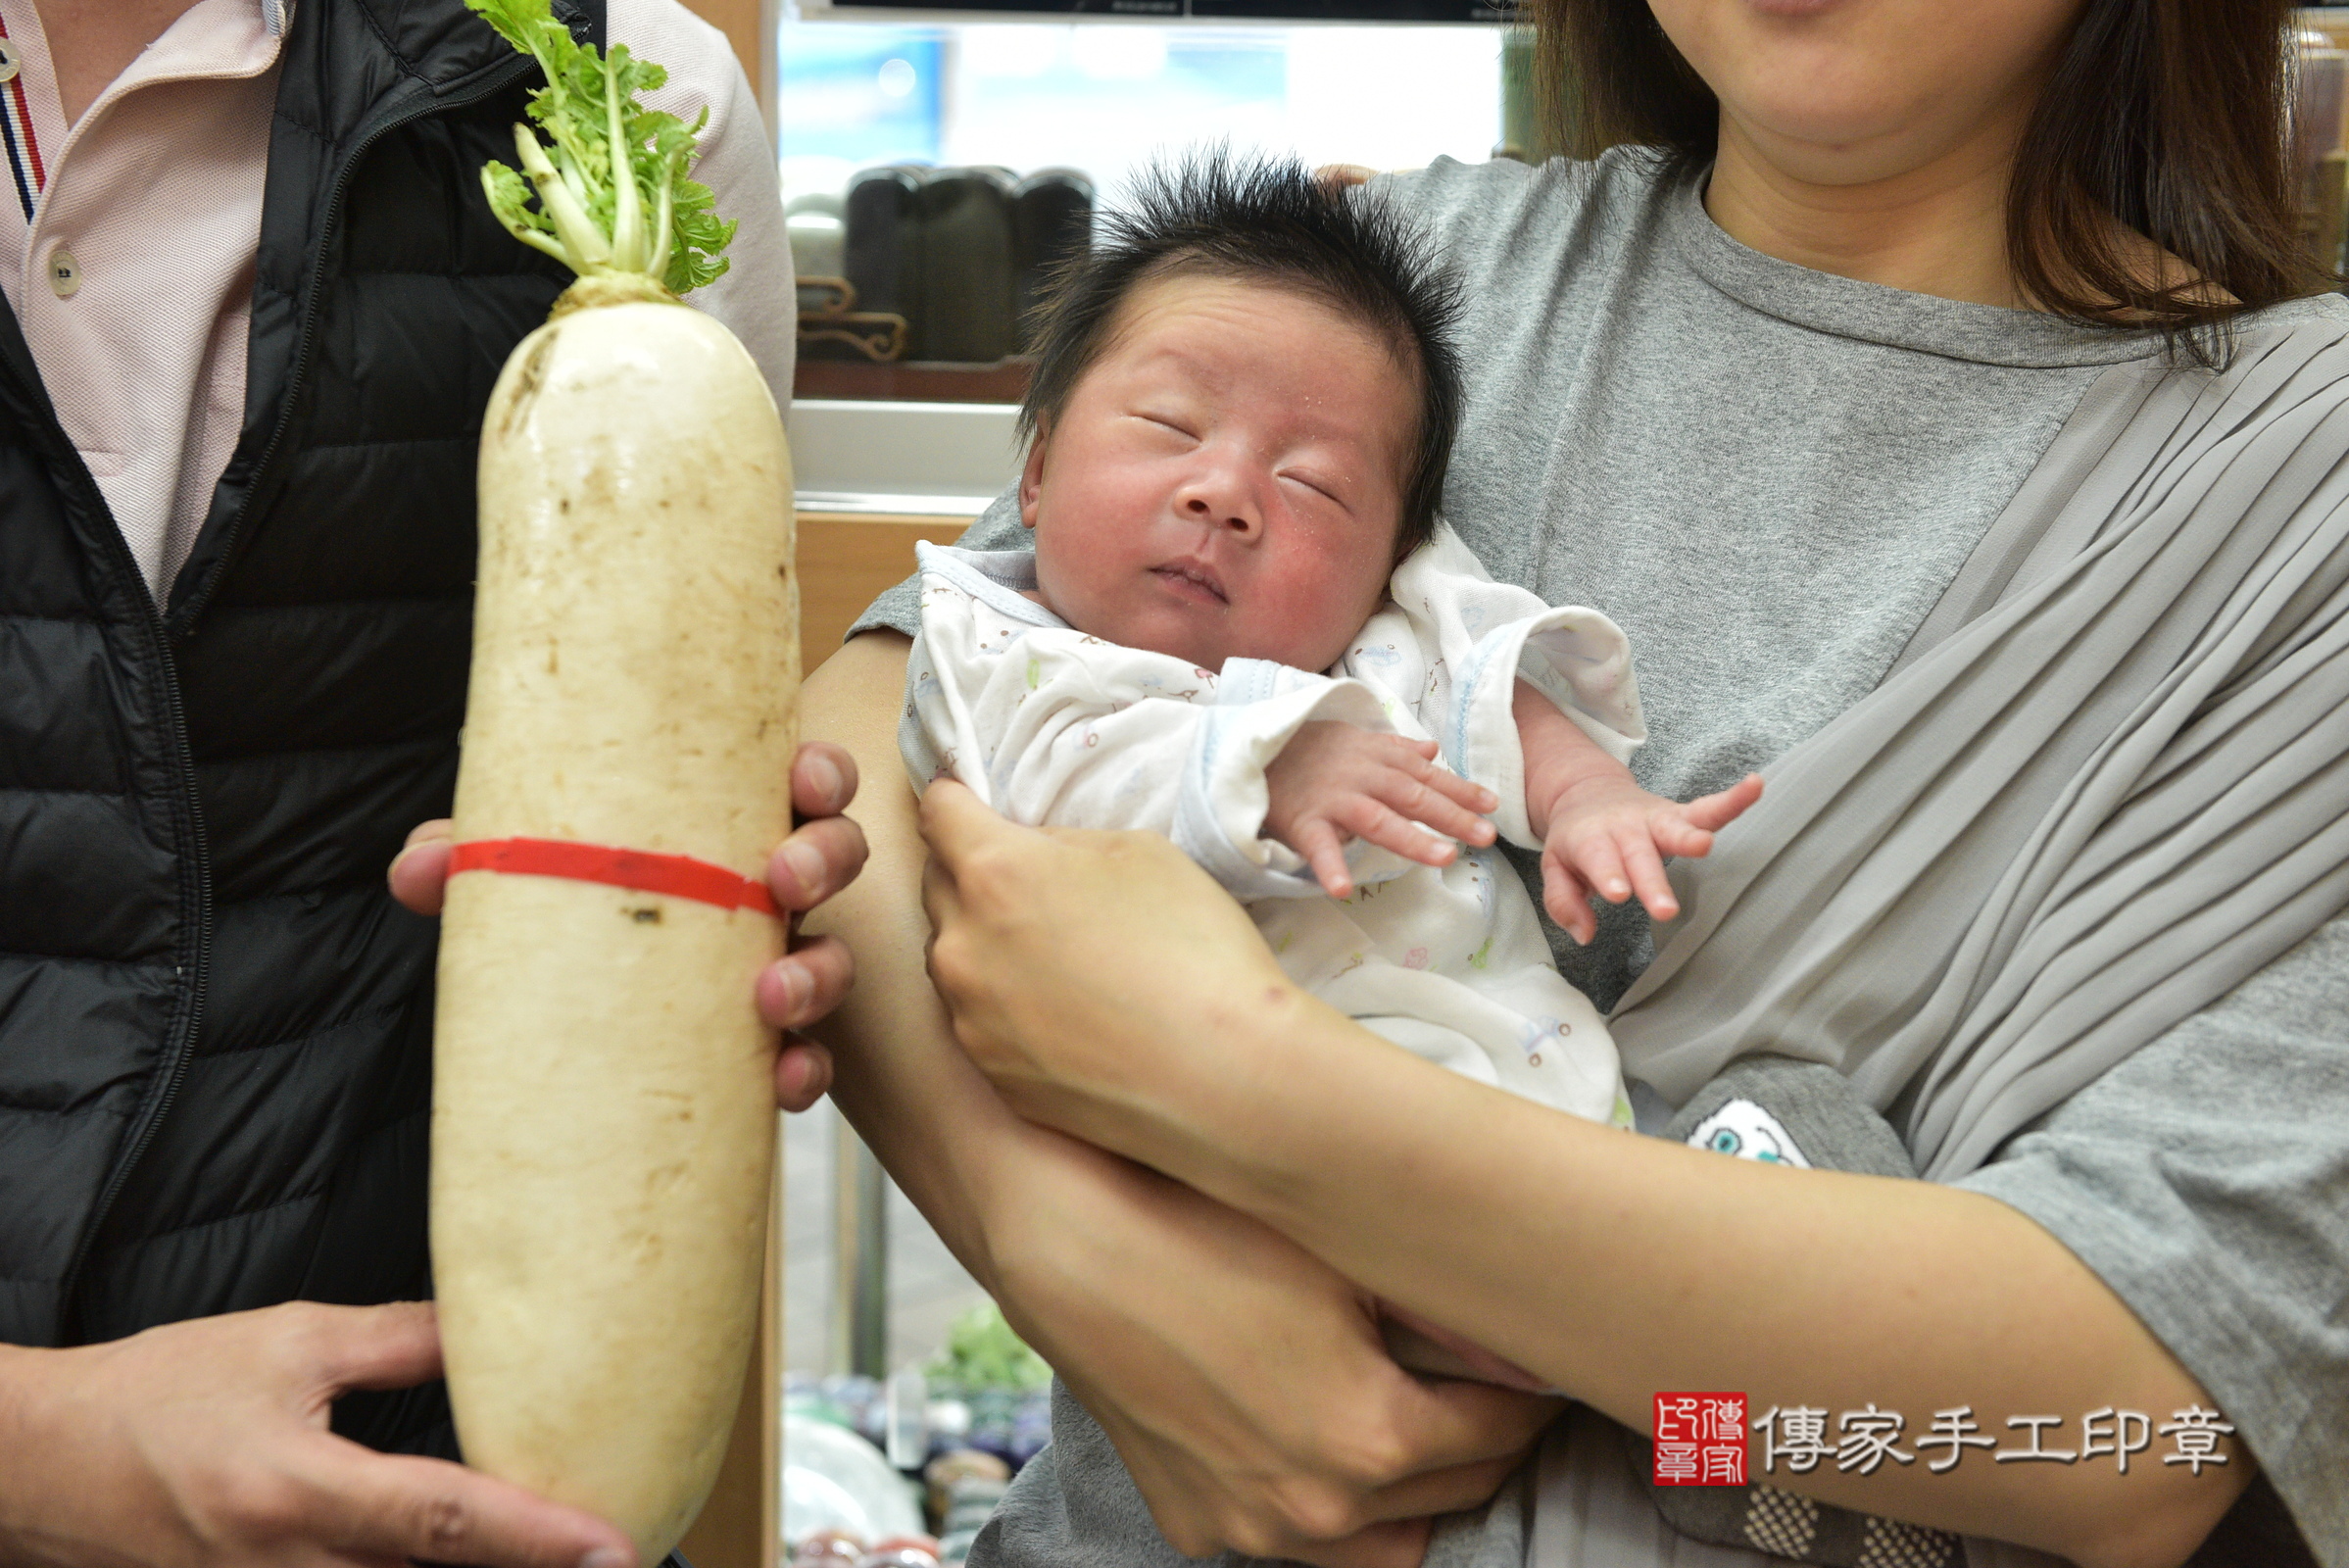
(134, 233)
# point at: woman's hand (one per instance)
(822, 855)
(1243, 1383)
(1072, 963)
(205, 1442)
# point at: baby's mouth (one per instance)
(1194, 579)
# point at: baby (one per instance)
(1243, 625)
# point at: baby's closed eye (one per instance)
(1167, 425)
(1327, 488)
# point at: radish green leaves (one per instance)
(613, 196)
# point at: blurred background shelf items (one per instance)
(961, 253)
(911, 1403)
(932, 264)
(2321, 132)
(915, 1463)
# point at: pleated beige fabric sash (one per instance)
(2108, 780)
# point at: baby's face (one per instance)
(1227, 479)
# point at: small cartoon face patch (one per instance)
(1747, 1131)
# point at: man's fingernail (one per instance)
(799, 986)
(807, 865)
(608, 1557)
(792, 1067)
(824, 775)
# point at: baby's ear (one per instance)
(1031, 476)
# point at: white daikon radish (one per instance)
(603, 1120)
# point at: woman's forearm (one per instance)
(1665, 1268)
(897, 1074)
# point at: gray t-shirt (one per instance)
(1768, 475)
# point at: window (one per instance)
(1105, 97)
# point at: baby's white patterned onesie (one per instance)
(1057, 726)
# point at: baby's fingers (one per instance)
(1599, 864)
(1373, 821)
(1465, 793)
(1413, 786)
(1674, 835)
(1324, 851)
(1645, 868)
(1715, 812)
(1567, 898)
(1443, 802)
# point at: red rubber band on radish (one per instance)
(677, 876)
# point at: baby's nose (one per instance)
(1224, 511)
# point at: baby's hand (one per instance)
(1336, 781)
(1607, 836)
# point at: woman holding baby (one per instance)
(1947, 418)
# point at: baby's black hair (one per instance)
(1270, 220)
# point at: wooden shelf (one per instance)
(914, 380)
(845, 559)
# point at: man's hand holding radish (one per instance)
(206, 1442)
(203, 1444)
(822, 855)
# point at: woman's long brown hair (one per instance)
(2166, 114)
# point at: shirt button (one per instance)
(8, 60)
(65, 273)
